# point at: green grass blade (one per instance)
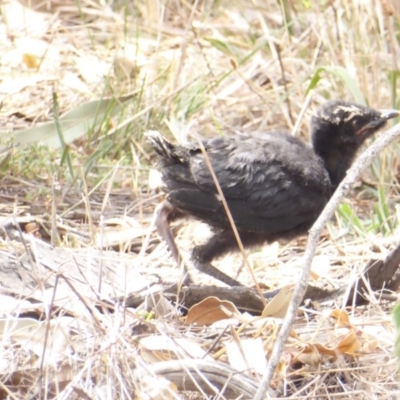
(342, 74)
(73, 125)
(66, 157)
(347, 214)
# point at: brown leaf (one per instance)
(349, 345)
(32, 228)
(342, 319)
(30, 61)
(209, 311)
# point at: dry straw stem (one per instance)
(353, 175)
(231, 221)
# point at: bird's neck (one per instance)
(337, 159)
(336, 163)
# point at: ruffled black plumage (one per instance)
(275, 185)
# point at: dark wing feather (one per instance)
(272, 184)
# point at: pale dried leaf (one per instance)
(9, 305)
(34, 335)
(92, 69)
(163, 347)
(247, 354)
(21, 20)
(320, 267)
(278, 305)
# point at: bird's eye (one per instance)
(356, 123)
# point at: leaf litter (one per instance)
(65, 330)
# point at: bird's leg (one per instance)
(217, 245)
(165, 212)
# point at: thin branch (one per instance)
(352, 176)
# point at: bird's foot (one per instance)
(205, 266)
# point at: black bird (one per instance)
(275, 185)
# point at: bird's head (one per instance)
(339, 129)
(345, 126)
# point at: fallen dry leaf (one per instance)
(278, 305)
(342, 319)
(22, 20)
(209, 311)
(247, 353)
(162, 348)
(30, 61)
(307, 355)
(350, 344)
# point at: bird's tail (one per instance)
(165, 148)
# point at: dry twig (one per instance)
(353, 174)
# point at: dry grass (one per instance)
(210, 67)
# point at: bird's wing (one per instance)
(270, 185)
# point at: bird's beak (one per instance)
(389, 114)
(371, 127)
